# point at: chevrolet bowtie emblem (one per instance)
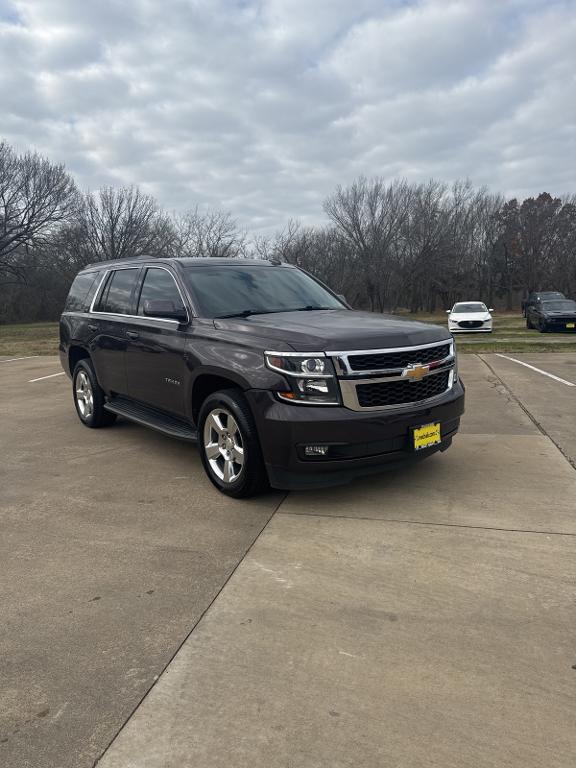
(415, 371)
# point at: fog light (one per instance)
(316, 450)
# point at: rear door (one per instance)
(111, 309)
(155, 362)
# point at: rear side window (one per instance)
(117, 294)
(81, 292)
(159, 285)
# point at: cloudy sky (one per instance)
(262, 107)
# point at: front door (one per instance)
(155, 363)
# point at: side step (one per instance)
(151, 417)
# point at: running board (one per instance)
(150, 417)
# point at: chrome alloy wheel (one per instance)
(84, 395)
(223, 445)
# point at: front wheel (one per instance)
(229, 445)
(89, 397)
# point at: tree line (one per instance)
(387, 246)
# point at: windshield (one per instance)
(469, 308)
(229, 291)
(559, 306)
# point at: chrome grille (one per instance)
(389, 393)
(392, 359)
(378, 379)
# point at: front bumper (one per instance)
(559, 325)
(486, 328)
(361, 443)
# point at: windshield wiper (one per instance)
(248, 312)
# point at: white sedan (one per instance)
(470, 317)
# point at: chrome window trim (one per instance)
(97, 294)
(111, 314)
(350, 397)
(107, 271)
(168, 319)
(138, 317)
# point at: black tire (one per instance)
(528, 323)
(542, 327)
(94, 416)
(251, 478)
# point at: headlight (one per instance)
(311, 377)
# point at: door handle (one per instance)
(132, 335)
(92, 327)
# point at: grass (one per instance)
(510, 335)
(29, 339)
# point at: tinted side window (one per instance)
(81, 292)
(159, 285)
(118, 292)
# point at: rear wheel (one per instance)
(229, 445)
(89, 398)
(528, 323)
(542, 327)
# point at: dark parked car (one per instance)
(557, 315)
(537, 296)
(276, 378)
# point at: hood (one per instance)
(559, 312)
(458, 316)
(337, 330)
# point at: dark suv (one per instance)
(278, 380)
(536, 297)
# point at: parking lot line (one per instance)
(13, 359)
(538, 370)
(31, 381)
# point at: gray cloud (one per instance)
(263, 106)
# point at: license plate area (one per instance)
(570, 325)
(426, 436)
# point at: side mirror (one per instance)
(491, 309)
(448, 311)
(165, 309)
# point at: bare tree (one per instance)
(210, 234)
(35, 197)
(121, 223)
(370, 215)
(385, 246)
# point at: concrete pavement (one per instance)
(346, 643)
(113, 544)
(551, 404)
(424, 618)
(419, 619)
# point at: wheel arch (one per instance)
(207, 383)
(76, 353)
